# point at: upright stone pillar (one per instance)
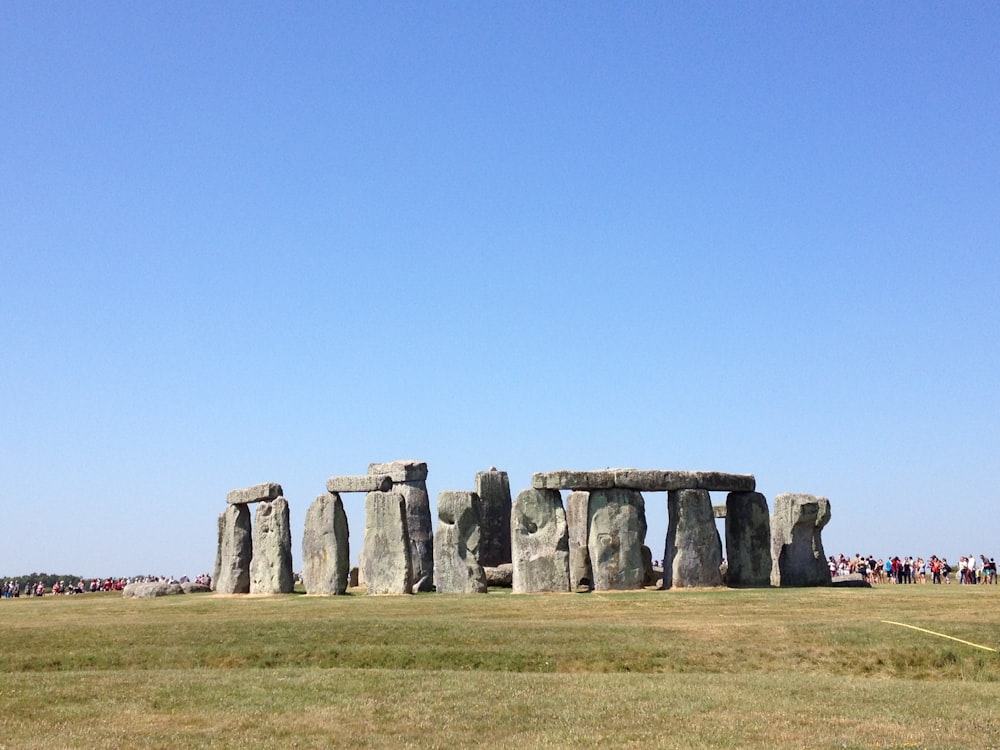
(456, 545)
(581, 573)
(235, 551)
(385, 559)
(539, 542)
(797, 552)
(493, 489)
(326, 547)
(693, 553)
(616, 530)
(748, 540)
(409, 479)
(271, 566)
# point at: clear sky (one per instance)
(248, 242)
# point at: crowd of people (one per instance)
(908, 569)
(15, 589)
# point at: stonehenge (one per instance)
(594, 538)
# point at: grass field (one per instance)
(781, 668)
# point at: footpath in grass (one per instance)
(707, 668)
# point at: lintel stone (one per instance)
(360, 483)
(644, 480)
(259, 493)
(401, 471)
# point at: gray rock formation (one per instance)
(326, 547)
(151, 590)
(259, 493)
(190, 587)
(409, 480)
(650, 576)
(456, 545)
(797, 552)
(235, 551)
(493, 488)
(748, 540)
(271, 566)
(539, 542)
(616, 531)
(361, 483)
(644, 480)
(693, 551)
(218, 550)
(386, 564)
(501, 576)
(581, 573)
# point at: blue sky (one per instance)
(246, 242)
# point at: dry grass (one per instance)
(713, 669)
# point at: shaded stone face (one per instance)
(493, 489)
(581, 572)
(798, 558)
(616, 531)
(385, 558)
(539, 542)
(409, 480)
(748, 540)
(235, 551)
(271, 566)
(259, 493)
(693, 551)
(456, 546)
(325, 547)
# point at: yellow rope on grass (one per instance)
(941, 635)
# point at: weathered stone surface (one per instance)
(218, 550)
(573, 480)
(748, 540)
(493, 488)
(581, 574)
(797, 554)
(850, 581)
(501, 576)
(616, 523)
(719, 511)
(326, 547)
(361, 483)
(190, 587)
(151, 590)
(650, 576)
(259, 493)
(456, 545)
(643, 480)
(385, 561)
(353, 580)
(408, 480)
(539, 542)
(406, 470)
(271, 566)
(693, 551)
(235, 551)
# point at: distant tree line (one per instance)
(47, 578)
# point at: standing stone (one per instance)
(218, 551)
(409, 479)
(748, 540)
(797, 552)
(616, 521)
(693, 552)
(493, 488)
(581, 574)
(385, 559)
(271, 566)
(539, 542)
(325, 547)
(235, 551)
(456, 545)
